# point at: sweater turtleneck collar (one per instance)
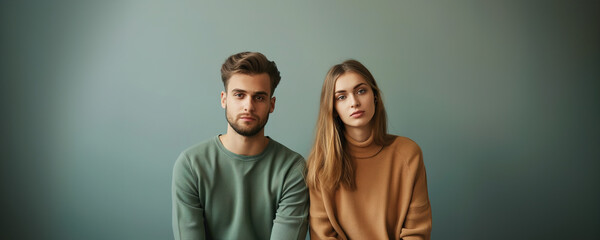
(364, 149)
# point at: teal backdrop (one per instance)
(99, 98)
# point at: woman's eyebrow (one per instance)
(355, 87)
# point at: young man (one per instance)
(241, 185)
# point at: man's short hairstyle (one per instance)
(250, 63)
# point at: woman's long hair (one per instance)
(329, 163)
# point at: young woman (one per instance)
(364, 183)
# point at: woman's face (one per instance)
(354, 101)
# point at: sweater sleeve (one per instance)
(188, 212)
(320, 226)
(292, 212)
(418, 219)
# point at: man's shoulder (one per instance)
(283, 151)
(200, 150)
(202, 145)
(291, 164)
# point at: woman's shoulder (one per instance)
(403, 143)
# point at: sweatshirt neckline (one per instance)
(364, 149)
(244, 157)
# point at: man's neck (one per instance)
(242, 145)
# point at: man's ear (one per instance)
(272, 105)
(223, 99)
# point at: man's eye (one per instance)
(239, 95)
(259, 98)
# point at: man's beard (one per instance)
(247, 132)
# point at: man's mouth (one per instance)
(247, 118)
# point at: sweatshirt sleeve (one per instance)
(188, 212)
(320, 226)
(418, 219)
(292, 212)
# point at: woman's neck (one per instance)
(359, 134)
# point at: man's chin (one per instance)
(246, 130)
(248, 133)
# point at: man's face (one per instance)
(248, 103)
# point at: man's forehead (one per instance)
(251, 83)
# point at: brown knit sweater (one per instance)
(390, 200)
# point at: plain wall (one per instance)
(100, 97)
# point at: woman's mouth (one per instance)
(357, 114)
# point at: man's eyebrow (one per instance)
(355, 87)
(261, 93)
(253, 93)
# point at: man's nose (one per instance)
(248, 104)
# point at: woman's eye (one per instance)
(341, 97)
(361, 91)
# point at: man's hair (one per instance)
(250, 63)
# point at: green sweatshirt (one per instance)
(218, 194)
